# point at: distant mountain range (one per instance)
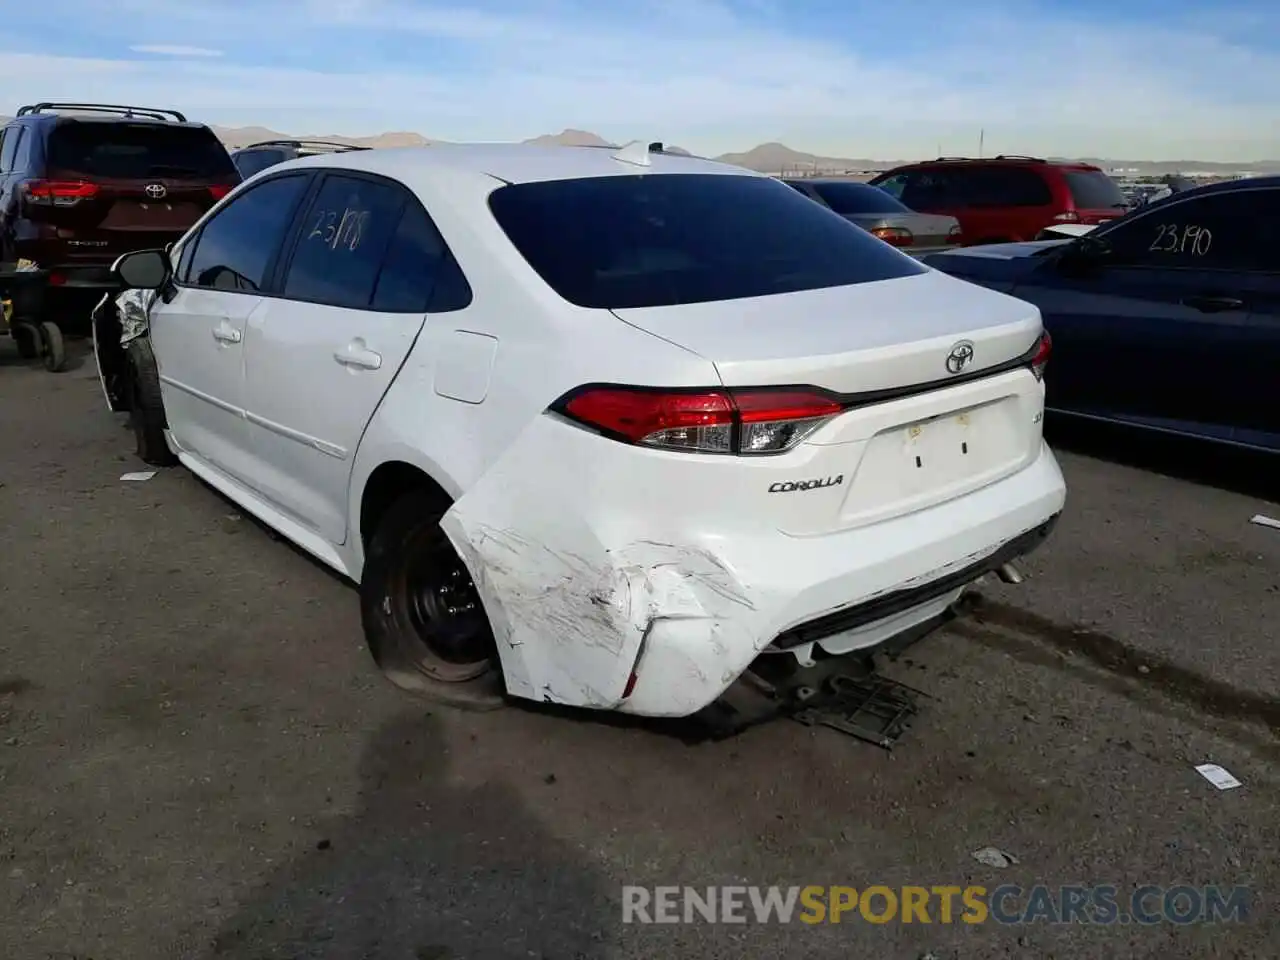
(766, 158)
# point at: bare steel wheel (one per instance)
(423, 617)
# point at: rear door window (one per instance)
(648, 241)
(138, 151)
(851, 198)
(239, 243)
(931, 190)
(1094, 190)
(342, 240)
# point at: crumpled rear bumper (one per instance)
(601, 600)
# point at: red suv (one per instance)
(1006, 198)
(82, 183)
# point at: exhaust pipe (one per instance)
(1008, 573)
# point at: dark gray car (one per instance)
(257, 157)
(880, 214)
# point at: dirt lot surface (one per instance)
(198, 759)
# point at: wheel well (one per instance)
(387, 484)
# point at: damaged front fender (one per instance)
(118, 320)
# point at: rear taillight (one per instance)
(1067, 216)
(897, 236)
(58, 193)
(954, 234)
(218, 191)
(1041, 357)
(740, 422)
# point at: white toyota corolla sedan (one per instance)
(609, 424)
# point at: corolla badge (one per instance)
(960, 357)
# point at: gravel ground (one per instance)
(198, 760)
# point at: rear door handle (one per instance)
(1214, 304)
(356, 354)
(226, 333)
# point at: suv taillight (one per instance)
(58, 193)
(896, 236)
(740, 422)
(1041, 356)
(220, 190)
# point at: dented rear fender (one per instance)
(580, 584)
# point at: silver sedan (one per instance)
(882, 215)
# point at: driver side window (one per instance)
(1214, 232)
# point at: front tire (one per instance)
(146, 407)
(423, 618)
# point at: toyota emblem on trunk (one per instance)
(155, 191)
(961, 356)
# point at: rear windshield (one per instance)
(139, 150)
(1094, 190)
(653, 241)
(852, 198)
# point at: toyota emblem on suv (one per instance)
(961, 356)
(155, 191)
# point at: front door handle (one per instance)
(1213, 304)
(226, 333)
(356, 354)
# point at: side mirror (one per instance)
(1084, 254)
(142, 270)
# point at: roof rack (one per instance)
(152, 113)
(999, 156)
(300, 144)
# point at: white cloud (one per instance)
(693, 72)
(175, 50)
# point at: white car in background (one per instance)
(610, 425)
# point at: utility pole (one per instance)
(982, 136)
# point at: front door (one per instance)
(364, 263)
(198, 328)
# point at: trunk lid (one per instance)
(850, 339)
(927, 229)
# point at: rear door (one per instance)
(198, 330)
(1160, 330)
(143, 183)
(364, 271)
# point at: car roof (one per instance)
(997, 161)
(839, 180)
(1269, 182)
(510, 162)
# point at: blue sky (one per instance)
(1128, 78)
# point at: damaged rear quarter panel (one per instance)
(572, 585)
